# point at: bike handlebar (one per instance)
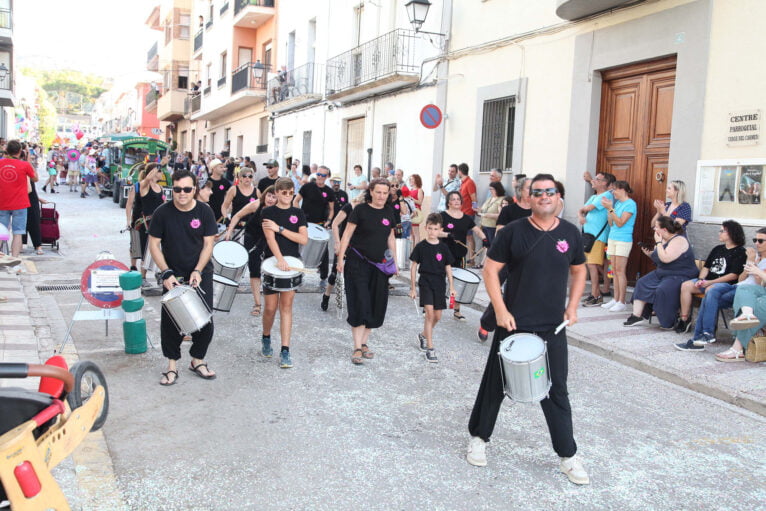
(23, 370)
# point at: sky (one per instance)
(104, 37)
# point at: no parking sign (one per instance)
(100, 283)
(431, 116)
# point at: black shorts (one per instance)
(432, 291)
(254, 258)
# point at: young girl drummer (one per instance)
(285, 228)
(435, 260)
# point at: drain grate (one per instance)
(59, 285)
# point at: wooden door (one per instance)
(634, 139)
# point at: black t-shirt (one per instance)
(183, 234)
(241, 200)
(538, 270)
(265, 182)
(220, 188)
(512, 212)
(347, 209)
(316, 202)
(459, 228)
(373, 226)
(722, 260)
(433, 259)
(253, 226)
(151, 201)
(291, 219)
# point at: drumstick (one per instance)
(302, 270)
(561, 327)
(417, 307)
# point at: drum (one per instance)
(278, 280)
(135, 244)
(147, 263)
(224, 291)
(466, 284)
(524, 368)
(403, 249)
(312, 252)
(229, 260)
(187, 309)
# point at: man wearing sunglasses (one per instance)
(541, 252)
(272, 167)
(317, 200)
(181, 243)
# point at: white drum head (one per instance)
(522, 347)
(465, 275)
(230, 254)
(175, 292)
(317, 232)
(270, 266)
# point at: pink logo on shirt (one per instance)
(252, 199)
(450, 226)
(195, 223)
(220, 187)
(386, 222)
(293, 219)
(439, 256)
(396, 206)
(343, 199)
(324, 194)
(562, 246)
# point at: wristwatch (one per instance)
(281, 229)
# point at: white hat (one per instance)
(91, 152)
(215, 162)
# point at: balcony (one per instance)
(297, 87)
(221, 81)
(198, 40)
(192, 104)
(247, 89)
(150, 101)
(391, 61)
(244, 78)
(224, 8)
(152, 59)
(575, 9)
(7, 98)
(253, 13)
(6, 26)
(170, 106)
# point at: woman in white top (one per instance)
(356, 183)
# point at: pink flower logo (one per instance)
(439, 256)
(293, 219)
(562, 246)
(450, 226)
(195, 223)
(324, 194)
(252, 199)
(386, 222)
(343, 199)
(220, 187)
(396, 206)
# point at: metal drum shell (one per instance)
(312, 252)
(224, 292)
(525, 381)
(403, 249)
(135, 244)
(277, 280)
(466, 284)
(229, 260)
(187, 309)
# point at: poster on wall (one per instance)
(727, 184)
(750, 183)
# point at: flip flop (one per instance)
(195, 370)
(366, 353)
(40, 251)
(357, 360)
(743, 322)
(168, 381)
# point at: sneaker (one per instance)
(634, 320)
(618, 307)
(284, 360)
(609, 304)
(82, 195)
(146, 284)
(574, 470)
(594, 301)
(323, 284)
(325, 302)
(6, 260)
(589, 297)
(731, 355)
(477, 455)
(689, 345)
(483, 335)
(705, 339)
(423, 342)
(682, 325)
(431, 356)
(266, 350)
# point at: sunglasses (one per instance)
(185, 189)
(538, 192)
(246, 176)
(286, 192)
(758, 240)
(321, 175)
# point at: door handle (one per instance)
(659, 176)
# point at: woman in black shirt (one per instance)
(239, 196)
(368, 238)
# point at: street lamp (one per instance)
(417, 10)
(258, 70)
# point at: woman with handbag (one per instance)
(490, 210)
(415, 191)
(366, 258)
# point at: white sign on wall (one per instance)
(744, 128)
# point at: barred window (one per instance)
(497, 134)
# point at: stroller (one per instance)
(40, 429)
(49, 225)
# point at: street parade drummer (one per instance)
(181, 242)
(541, 252)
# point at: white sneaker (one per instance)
(477, 455)
(574, 470)
(6, 260)
(609, 304)
(618, 307)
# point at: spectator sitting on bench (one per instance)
(722, 266)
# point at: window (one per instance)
(389, 144)
(184, 22)
(212, 142)
(263, 135)
(306, 155)
(222, 72)
(167, 79)
(356, 29)
(497, 134)
(182, 142)
(209, 74)
(183, 77)
(267, 55)
(168, 31)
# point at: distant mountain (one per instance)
(71, 92)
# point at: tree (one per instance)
(47, 119)
(71, 91)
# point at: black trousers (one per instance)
(33, 221)
(558, 413)
(366, 292)
(172, 338)
(324, 263)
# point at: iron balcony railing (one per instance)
(391, 53)
(304, 80)
(198, 39)
(5, 81)
(192, 104)
(151, 53)
(151, 97)
(241, 4)
(6, 18)
(244, 77)
(221, 81)
(224, 8)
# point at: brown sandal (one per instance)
(256, 310)
(366, 353)
(357, 360)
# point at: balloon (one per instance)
(79, 135)
(73, 155)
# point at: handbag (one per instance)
(756, 350)
(588, 240)
(416, 216)
(387, 267)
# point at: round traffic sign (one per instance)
(100, 283)
(430, 116)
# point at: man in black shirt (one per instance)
(541, 252)
(221, 185)
(317, 200)
(272, 167)
(181, 243)
(341, 197)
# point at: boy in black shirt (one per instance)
(284, 228)
(435, 262)
(317, 201)
(181, 243)
(220, 186)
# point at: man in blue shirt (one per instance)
(593, 218)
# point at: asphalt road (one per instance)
(392, 433)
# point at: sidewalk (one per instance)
(651, 350)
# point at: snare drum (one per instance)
(524, 368)
(312, 252)
(278, 280)
(224, 291)
(403, 249)
(229, 260)
(187, 309)
(135, 244)
(466, 284)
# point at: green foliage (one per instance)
(47, 118)
(71, 91)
